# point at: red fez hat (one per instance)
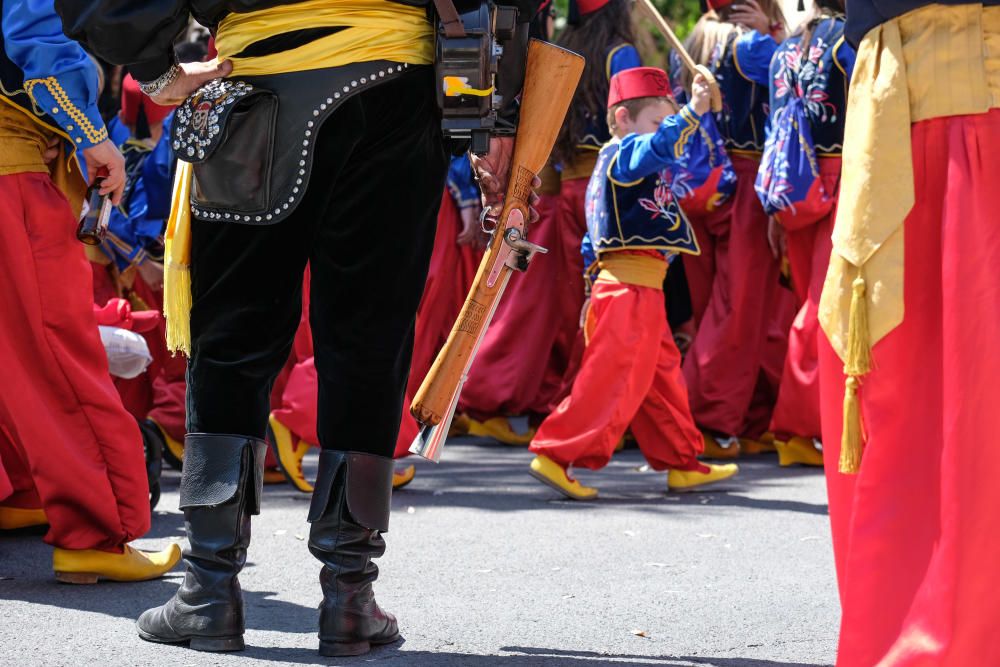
(630, 84)
(719, 4)
(590, 6)
(133, 99)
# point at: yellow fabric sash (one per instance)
(641, 270)
(374, 30)
(933, 62)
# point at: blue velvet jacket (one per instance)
(48, 76)
(630, 204)
(741, 67)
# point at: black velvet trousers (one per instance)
(366, 226)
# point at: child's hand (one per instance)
(701, 96)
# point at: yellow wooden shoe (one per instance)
(799, 451)
(13, 518)
(689, 480)
(762, 445)
(499, 429)
(86, 566)
(289, 454)
(173, 450)
(547, 471)
(403, 476)
(721, 447)
(460, 425)
(274, 476)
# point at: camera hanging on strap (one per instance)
(479, 67)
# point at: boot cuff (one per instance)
(215, 466)
(367, 487)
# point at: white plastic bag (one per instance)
(128, 354)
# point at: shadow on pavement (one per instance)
(522, 657)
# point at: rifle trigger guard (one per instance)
(485, 218)
(523, 250)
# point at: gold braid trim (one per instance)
(94, 135)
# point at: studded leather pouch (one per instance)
(252, 139)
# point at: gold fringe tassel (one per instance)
(857, 364)
(177, 264)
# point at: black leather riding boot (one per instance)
(220, 489)
(350, 510)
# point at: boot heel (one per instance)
(76, 577)
(335, 649)
(217, 644)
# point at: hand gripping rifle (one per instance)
(551, 78)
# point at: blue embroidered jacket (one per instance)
(819, 78)
(741, 67)
(47, 75)
(629, 202)
(620, 57)
(461, 182)
(135, 229)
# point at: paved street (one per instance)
(487, 567)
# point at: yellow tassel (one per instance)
(858, 361)
(176, 264)
(857, 364)
(850, 447)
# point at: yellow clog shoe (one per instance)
(499, 429)
(762, 445)
(721, 447)
(799, 450)
(547, 471)
(689, 480)
(460, 425)
(13, 518)
(173, 450)
(288, 453)
(274, 476)
(86, 566)
(403, 476)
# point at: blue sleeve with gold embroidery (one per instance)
(753, 53)
(623, 56)
(461, 183)
(643, 154)
(58, 74)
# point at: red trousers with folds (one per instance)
(916, 533)
(797, 411)
(739, 348)
(630, 377)
(70, 440)
(524, 356)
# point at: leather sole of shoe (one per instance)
(206, 644)
(345, 649)
(76, 578)
(552, 485)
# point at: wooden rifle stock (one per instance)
(550, 82)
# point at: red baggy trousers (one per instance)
(630, 377)
(797, 410)
(916, 533)
(70, 437)
(724, 364)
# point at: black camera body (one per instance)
(469, 74)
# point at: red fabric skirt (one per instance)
(741, 332)
(916, 533)
(524, 356)
(630, 376)
(797, 411)
(69, 436)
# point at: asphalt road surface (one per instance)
(485, 566)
